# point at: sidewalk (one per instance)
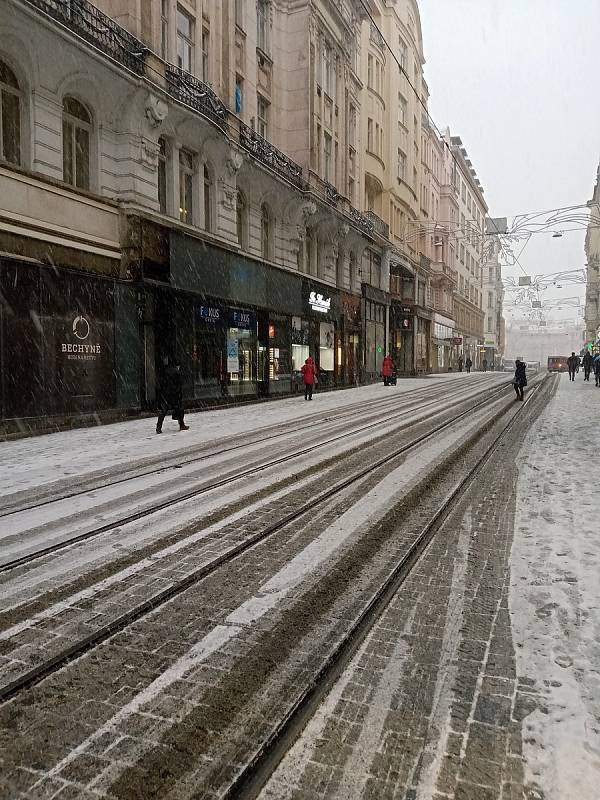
(555, 594)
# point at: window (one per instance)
(10, 116)
(239, 94)
(402, 106)
(327, 68)
(185, 41)
(490, 325)
(464, 192)
(241, 211)
(351, 190)
(262, 21)
(352, 126)
(239, 13)
(265, 232)
(164, 29)
(162, 175)
(402, 53)
(186, 186)
(370, 135)
(207, 199)
(370, 62)
(462, 254)
(205, 62)
(490, 300)
(401, 165)
(77, 126)
(263, 117)
(327, 161)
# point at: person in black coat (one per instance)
(170, 396)
(588, 362)
(572, 364)
(520, 378)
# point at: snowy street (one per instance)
(351, 579)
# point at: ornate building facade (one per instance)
(592, 252)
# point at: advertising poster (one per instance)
(233, 355)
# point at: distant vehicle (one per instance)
(509, 365)
(533, 365)
(557, 363)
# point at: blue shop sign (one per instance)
(209, 313)
(245, 320)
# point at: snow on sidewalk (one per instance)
(27, 463)
(555, 593)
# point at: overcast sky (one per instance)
(519, 82)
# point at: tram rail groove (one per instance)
(29, 558)
(174, 460)
(38, 673)
(255, 775)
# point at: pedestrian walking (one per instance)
(309, 377)
(387, 370)
(520, 381)
(460, 363)
(572, 364)
(597, 369)
(588, 362)
(468, 364)
(170, 395)
(485, 364)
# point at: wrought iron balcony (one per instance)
(332, 194)
(266, 153)
(194, 93)
(441, 270)
(361, 221)
(379, 226)
(376, 37)
(95, 27)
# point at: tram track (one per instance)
(14, 503)
(399, 413)
(250, 781)
(83, 645)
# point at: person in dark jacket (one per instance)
(468, 364)
(485, 364)
(387, 370)
(170, 396)
(572, 364)
(520, 381)
(588, 362)
(309, 375)
(597, 369)
(460, 363)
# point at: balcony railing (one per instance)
(194, 93)
(376, 37)
(361, 221)
(438, 269)
(379, 226)
(97, 28)
(266, 153)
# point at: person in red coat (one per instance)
(387, 370)
(309, 377)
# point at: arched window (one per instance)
(77, 128)
(265, 232)
(162, 174)
(208, 220)
(10, 116)
(241, 212)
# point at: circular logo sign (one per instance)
(81, 327)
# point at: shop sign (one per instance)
(82, 350)
(241, 319)
(233, 354)
(209, 313)
(319, 303)
(406, 309)
(457, 340)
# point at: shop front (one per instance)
(349, 349)
(228, 320)
(443, 351)
(68, 342)
(402, 320)
(316, 332)
(375, 326)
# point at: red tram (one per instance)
(557, 363)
